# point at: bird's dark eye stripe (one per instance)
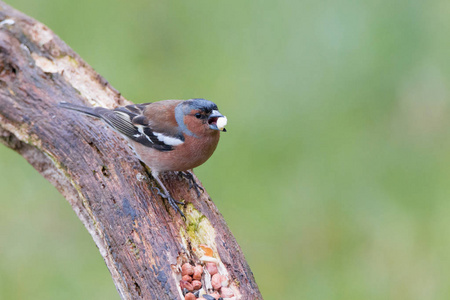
(200, 116)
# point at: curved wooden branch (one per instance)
(142, 240)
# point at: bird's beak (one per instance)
(217, 121)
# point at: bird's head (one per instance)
(199, 116)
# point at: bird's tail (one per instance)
(83, 109)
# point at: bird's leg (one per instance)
(191, 180)
(167, 195)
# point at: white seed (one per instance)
(221, 122)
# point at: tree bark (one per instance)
(141, 238)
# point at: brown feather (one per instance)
(161, 116)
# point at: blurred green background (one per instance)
(334, 175)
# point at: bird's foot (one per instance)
(174, 203)
(191, 180)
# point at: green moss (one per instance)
(133, 247)
(73, 61)
(198, 231)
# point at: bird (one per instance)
(167, 135)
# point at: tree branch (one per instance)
(142, 240)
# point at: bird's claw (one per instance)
(174, 203)
(191, 181)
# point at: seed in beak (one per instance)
(221, 122)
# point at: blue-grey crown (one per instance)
(202, 104)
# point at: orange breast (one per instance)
(192, 153)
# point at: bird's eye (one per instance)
(198, 115)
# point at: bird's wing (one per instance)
(130, 122)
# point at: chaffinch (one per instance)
(168, 135)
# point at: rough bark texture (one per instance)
(142, 240)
